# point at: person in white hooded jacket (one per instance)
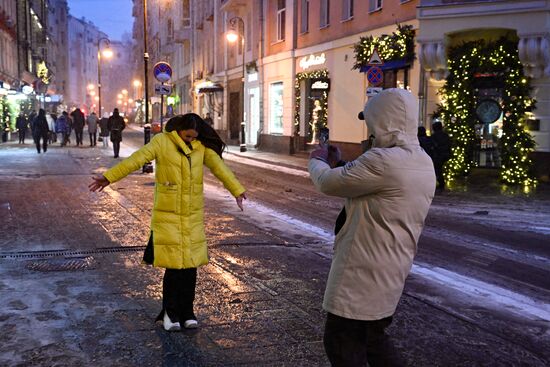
(388, 191)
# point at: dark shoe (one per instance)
(191, 324)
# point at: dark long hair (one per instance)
(207, 135)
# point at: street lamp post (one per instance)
(232, 36)
(107, 54)
(148, 167)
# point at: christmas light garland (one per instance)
(459, 103)
(397, 46)
(317, 74)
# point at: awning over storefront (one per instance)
(388, 65)
(215, 87)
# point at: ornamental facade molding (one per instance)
(433, 58)
(534, 54)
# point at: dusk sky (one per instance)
(113, 17)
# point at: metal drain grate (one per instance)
(67, 264)
(68, 253)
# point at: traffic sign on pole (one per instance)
(375, 59)
(375, 76)
(162, 71)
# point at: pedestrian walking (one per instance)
(208, 119)
(51, 127)
(177, 240)
(442, 144)
(21, 124)
(426, 142)
(92, 128)
(62, 127)
(40, 131)
(388, 192)
(104, 130)
(78, 125)
(116, 124)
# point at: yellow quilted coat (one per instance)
(177, 222)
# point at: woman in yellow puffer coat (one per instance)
(177, 238)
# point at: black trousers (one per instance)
(116, 148)
(93, 139)
(178, 294)
(22, 136)
(44, 142)
(78, 134)
(353, 343)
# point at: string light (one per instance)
(458, 109)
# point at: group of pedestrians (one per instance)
(46, 127)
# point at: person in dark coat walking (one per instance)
(78, 125)
(21, 123)
(426, 142)
(116, 124)
(40, 130)
(62, 127)
(104, 130)
(442, 144)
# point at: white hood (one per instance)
(392, 117)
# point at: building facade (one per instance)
(58, 28)
(83, 43)
(298, 66)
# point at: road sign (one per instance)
(372, 91)
(162, 71)
(163, 89)
(375, 76)
(375, 59)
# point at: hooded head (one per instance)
(392, 118)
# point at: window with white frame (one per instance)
(375, 5)
(276, 108)
(347, 9)
(304, 20)
(324, 20)
(281, 12)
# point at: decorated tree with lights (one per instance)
(459, 103)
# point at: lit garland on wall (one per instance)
(317, 74)
(397, 46)
(459, 104)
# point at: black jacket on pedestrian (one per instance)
(116, 124)
(78, 120)
(40, 126)
(21, 123)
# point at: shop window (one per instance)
(276, 108)
(375, 5)
(325, 15)
(396, 78)
(281, 15)
(304, 20)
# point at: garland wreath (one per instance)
(324, 100)
(457, 110)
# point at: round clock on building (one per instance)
(488, 111)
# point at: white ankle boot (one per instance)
(169, 325)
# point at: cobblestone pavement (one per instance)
(73, 290)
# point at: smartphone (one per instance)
(323, 136)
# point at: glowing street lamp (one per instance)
(232, 36)
(107, 53)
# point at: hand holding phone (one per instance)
(323, 137)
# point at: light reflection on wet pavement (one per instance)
(258, 301)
